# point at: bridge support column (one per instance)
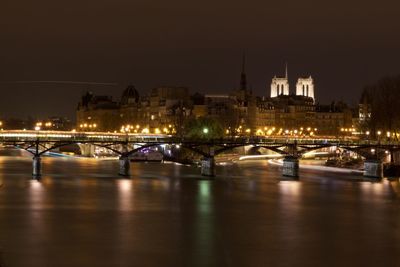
(290, 166)
(87, 150)
(208, 166)
(36, 166)
(373, 168)
(124, 166)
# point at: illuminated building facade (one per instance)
(166, 109)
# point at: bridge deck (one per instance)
(15, 136)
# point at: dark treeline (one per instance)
(382, 100)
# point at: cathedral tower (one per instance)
(280, 86)
(305, 87)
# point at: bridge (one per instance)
(125, 144)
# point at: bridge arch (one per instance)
(275, 149)
(356, 150)
(58, 145)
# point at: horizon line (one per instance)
(59, 82)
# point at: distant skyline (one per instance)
(344, 45)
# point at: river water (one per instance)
(82, 214)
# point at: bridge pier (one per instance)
(87, 150)
(373, 168)
(36, 166)
(124, 166)
(208, 166)
(290, 166)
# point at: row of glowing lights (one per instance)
(40, 124)
(281, 131)
(347, 129)
(379, 132)
(86, 125)
(137, 129)
(266, 131)
(35, 135)
(54, 135)
(166, 130)
(45, 124)
(124, 128)
(13, 133)
(388, 134)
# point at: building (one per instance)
(292, 112)
(280, 86)
(305, 87)
(330, 119)
(364, 111)
(166, 109)
(98, 113)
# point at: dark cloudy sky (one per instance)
(344, 45)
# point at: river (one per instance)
(82, 214)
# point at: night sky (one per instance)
(344, 45)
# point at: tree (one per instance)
(383, 99)
(203, 128)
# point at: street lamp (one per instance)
(205, 130)
(379, 136)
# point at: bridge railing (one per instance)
(69, 136)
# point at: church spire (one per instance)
(243, 61)
(286, 71)
(243, 80)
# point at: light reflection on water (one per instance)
(291, 188)
(36, 197)
(204, 226)
(372, 188)
(168, 215)
(288, 215)
(37, 225)
(125, 194)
